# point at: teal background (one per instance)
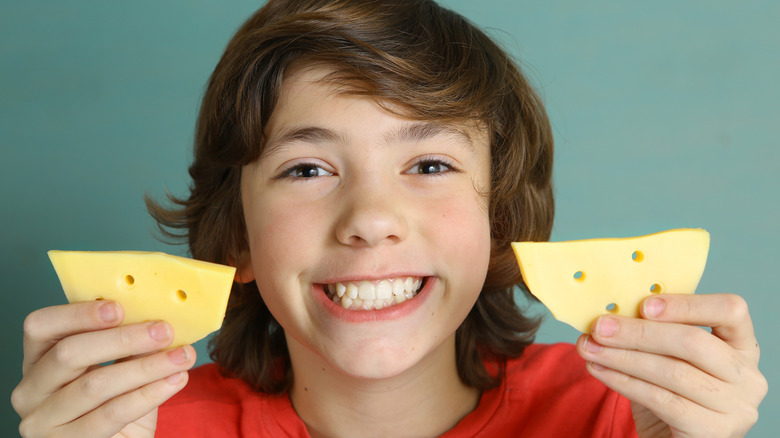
(665, 113)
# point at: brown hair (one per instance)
(410, 54)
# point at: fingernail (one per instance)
(178, 356)
(606, 327)
(597, 367)
(654, 307)
(158, 331)
(174, 379)
(108, 312)
(591, 346)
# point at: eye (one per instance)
(431, 167)
(305, 170)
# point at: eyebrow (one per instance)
(421, 131)
(308, 134)
(409, 133)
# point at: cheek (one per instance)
(281, 240)
(462, 231)
(281, 248)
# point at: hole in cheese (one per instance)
(612, 307)
(579, 276)
(181, 295)
(655, 288)
(637, 256)
(129, 279)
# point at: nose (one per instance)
(372, 215)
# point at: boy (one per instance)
(365, 165)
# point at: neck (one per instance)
(425, 400)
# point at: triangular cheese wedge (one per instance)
(191, 295)
(583, 279)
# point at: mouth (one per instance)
(371, 295)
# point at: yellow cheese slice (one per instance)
(189, 294)
(584, 279)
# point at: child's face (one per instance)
(348, 195)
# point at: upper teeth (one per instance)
(367, 295)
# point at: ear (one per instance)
(244, 272)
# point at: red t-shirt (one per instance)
(547, 392)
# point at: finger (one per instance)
(688, 343)
(727, 314)
(73, 355)
(672, 409)
(101, 385)
(675, 375)
(45, 327)
(115, 415)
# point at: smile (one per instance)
(370, 295)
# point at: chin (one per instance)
(376, 359)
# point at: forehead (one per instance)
(314, 96)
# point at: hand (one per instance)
(682, 380)
(65, 391)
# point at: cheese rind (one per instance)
(578, 281)
(191, 295)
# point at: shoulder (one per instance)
(548, 392)
(214, 405)
(558, 363)
(552, 372)
(206, 383)
(209, 401)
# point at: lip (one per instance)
(388, 313)
(355, 279)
